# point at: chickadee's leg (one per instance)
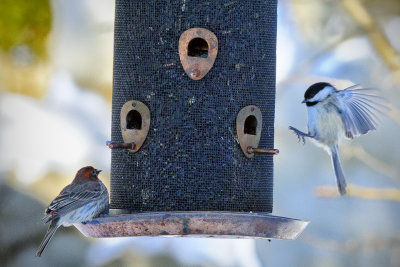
(300, 135)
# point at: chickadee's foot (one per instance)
(300, 135)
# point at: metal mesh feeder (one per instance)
(193, 122)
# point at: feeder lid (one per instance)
(194, 224)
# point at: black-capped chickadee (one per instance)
(334, 114)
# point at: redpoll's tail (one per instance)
(341, 182)
(50, 232)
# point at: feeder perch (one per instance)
(193, 122)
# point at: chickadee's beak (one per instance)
(97, 171)
(304, 101)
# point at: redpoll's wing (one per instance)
(73, 197)
(360, 109)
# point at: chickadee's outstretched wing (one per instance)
(360, 109)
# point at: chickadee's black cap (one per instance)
(314, 89)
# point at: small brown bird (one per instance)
(82, 200)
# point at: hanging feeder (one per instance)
(193, 122)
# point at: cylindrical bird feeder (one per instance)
(193, 121)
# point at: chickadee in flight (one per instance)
(334, 114)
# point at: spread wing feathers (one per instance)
(360, 109)
(73, 197)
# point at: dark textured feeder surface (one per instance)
(199, 224)
(191, 159)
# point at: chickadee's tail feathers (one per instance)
(341, 182)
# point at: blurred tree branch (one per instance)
(366, 22)
(359, 192)
(369, 244)
(371, 161)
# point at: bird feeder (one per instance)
(193, 122)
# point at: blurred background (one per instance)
(55, 115)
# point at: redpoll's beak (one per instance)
(304, 101)
(97, 171)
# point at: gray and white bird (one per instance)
(82, 200)
(336, 114)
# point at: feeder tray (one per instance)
(195, 224)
